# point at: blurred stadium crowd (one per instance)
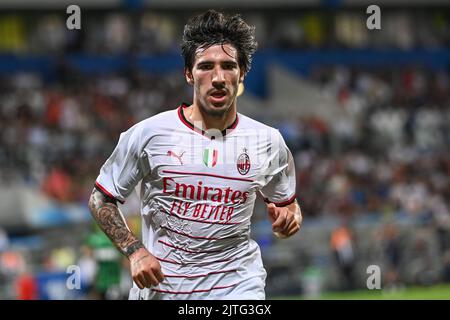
(159, 32)
(388, 157)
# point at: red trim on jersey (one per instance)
(196, 263)
(193, 291)
(197, 275)
(106, 192)
(193, 237)
(200, 131)
(187, 123)
(201, 221)
(210, 262)
(207, 175)
(168, 261)
(190, 251)
(284, 203)
(188, 235)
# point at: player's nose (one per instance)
(218, 76)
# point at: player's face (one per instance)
(215, 76)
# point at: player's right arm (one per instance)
(145, 268)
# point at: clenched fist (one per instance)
(145, 269)
(286, 220)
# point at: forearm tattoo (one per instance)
(111, 221)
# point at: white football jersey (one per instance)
(197, 193)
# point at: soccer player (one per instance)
(200, 168)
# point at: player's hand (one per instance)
(145, 269)
(286, 221)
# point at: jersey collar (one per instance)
(201, 131)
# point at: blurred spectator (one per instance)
(342, 246)
(446, 267)
(422, 267)
(109, 266)
(4, 241)
(58, 185)
(26, 286)
(88, 269)
(392, 251)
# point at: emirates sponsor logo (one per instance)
(202, 192)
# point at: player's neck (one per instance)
(195, 114)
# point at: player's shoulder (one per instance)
(264, 133)
(247, 123)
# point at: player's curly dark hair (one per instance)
(211, 28)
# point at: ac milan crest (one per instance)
(243, 163)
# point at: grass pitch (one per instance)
(437, 292)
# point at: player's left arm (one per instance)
(286, 220)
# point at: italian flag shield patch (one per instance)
(210, 157)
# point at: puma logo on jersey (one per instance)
(170, 153)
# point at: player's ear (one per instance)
(189, 77)
(241, 76)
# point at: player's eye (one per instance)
(205, 66)
(229, 66)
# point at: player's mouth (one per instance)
(218, 96)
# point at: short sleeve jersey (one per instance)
(197, 192)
